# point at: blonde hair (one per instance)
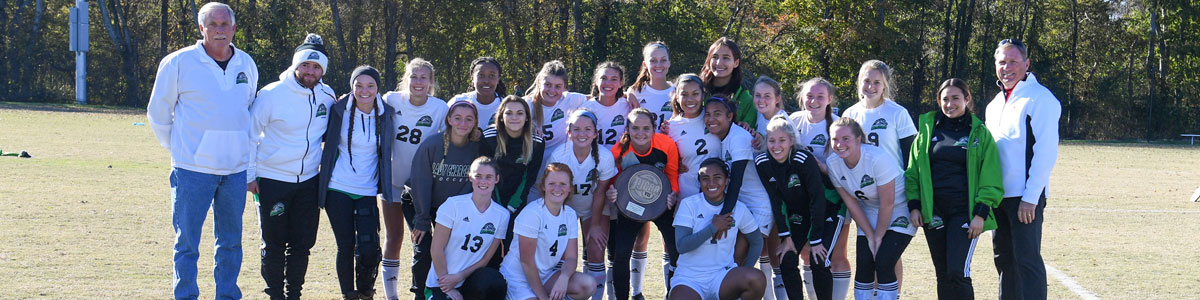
(877, 65)
(829, 89)
(783, 123)
(552, 68)
(855, 129)
(556, 167)
(408, 69)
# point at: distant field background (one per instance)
(89, 217)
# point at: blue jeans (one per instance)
(192, 193)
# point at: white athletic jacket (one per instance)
(1025, 126)
(201, 113)
(289, 122)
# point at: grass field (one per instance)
(89, 217)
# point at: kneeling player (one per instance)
(470, 220)
(547, 232)
(707, 269)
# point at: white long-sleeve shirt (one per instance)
(201, 113)
(1025, 126)
(289, 121)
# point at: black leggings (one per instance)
(951, 251)
(793, 281)
(485, 283)
(623, 233)
(421, 258)
(882, 265)
(355, 226)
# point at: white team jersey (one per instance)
(874, 168)
(711, 257)
(554, 118)
(581, 202)
(735, 147)
(611, 120)
(486, 111)
(813, 135)
(657, 101)
(762, 125)
(695, 145)
(471, 233)
(552, 233)
(884, 126)
(413, 125)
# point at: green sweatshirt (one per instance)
(985, 184)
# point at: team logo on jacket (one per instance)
(618, 121)
(241, 78)
(562, 230)
(322, 111)
(901, 222)
(558, 114)
(488, 229)
(796, 219)
(793, 181)
(819, 140)
(961, 143)
(866, 181)
(426, 121)
(879, 124)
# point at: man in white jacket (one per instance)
(200, 111)
(288, 121)
(1023, 118)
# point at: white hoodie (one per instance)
(201, 113)
(1025, 126)
(287, 129)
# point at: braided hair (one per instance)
(583, 114)
(350, 129)
(446, 130)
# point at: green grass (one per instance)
(89, 217)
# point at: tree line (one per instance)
(1122, 69)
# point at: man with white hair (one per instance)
(1023, 119)
(289, 120)
(200, 111)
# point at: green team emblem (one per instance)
(277, 209)
(962, 142)
(796, 219)
(558, 114)
(820, 139)
(488, 229)
(322, 110)
(866, 181)
(666, 107)
(936, 223)
(314, 55)
(793, 181)
(241, 78)
(562, 230)
(426, 121)
(901, 222)
(618, 121)
(879, 124)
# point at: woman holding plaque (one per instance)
(641, 144)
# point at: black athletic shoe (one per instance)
(638, 297)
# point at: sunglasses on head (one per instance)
(1014, 42)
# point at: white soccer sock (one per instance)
(780, 288)
(841, 285)
(809, 288)
(668, 270)
(864, 290)
(597, 270)
(391, 272)
(637, 267)
(764, 265)
(888, 291)
(612, 292)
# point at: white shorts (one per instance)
(765, 221)
(519, 289)
(708, 286)
(583, 208)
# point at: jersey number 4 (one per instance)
(473, 248)
(554, 249)
(404, 134)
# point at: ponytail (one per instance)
(643, 76)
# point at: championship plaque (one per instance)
(642, 191)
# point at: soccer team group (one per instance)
(498, 190)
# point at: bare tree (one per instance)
(115, 20)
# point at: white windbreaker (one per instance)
(289, 121)
(1025, 126)
(201, 113)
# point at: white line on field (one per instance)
(1158, 211)
(1070, 283)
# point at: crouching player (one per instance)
(477, 223)
(707, 267)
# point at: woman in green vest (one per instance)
(952, 183)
